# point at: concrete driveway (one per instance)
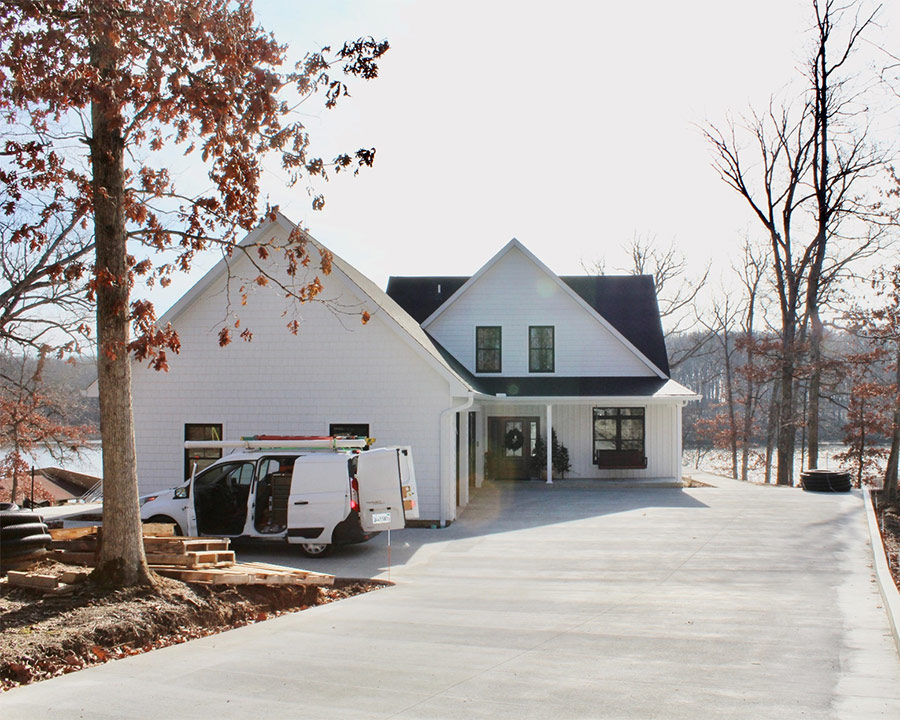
(563, 601)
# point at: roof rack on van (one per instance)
(284, 442)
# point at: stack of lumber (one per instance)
(57, 583)
(190, 559)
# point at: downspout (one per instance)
(452, 409)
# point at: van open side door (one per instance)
(380, 495)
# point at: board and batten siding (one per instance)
(334, 370)
(574, 429)
(515, 293)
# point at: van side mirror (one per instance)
(183, 492)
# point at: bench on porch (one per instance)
(620, 459)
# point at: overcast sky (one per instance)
(569, 125)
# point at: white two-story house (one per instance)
(460, 368)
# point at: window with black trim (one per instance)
(203, 457)
(619, 437)
(488, 343)
(349, 429)
(540, 348)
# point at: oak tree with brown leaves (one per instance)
(97, 98)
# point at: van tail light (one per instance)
(354, 494)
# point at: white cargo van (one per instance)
(313, 492)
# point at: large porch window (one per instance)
(619, 438)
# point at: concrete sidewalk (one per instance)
(737, 601)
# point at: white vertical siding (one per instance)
(514, 294)
(334, 370)
(573, 425)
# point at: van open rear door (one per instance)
(408, 484)
(379, 473)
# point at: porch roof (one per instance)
(539, 388)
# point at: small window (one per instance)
(202, 457)
(349, 429)
(540, 348)
(488, 341)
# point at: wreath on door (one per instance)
(514, 439)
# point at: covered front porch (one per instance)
(608, 438)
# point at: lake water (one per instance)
(89, 461)
(719, 462)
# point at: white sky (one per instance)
(569, 125)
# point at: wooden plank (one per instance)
(157, 544)
(73, 533)
(158, 529)
(76, 558)
(192, 559)
(212, 576)
(71, 577)
(87, 544)
(24, 579)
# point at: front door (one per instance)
(510, 444)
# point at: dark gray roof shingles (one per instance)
(627, 302)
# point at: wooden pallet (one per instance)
(204, 560)
(247, 574)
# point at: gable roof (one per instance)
(396, 316)
(627, 302)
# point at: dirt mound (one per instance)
(44, 634)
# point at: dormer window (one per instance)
(488, 342)
(540, 349)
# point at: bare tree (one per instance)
(751, 273)
(721, 325)
(807, 160)
(677, 291)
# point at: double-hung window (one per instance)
(201, 457)
(619, 437)
(488, 349)
(541, 357)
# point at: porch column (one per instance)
(549, 444)
(679, 439)
(463, 471)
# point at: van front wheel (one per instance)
(315, 549)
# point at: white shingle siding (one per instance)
(516, 294)
(334, 370)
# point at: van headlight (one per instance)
(146, 499)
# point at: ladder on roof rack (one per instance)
(284, 442)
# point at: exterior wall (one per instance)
(334, 370)
(516, 293)
(573, 425)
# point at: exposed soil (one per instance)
(48, 633)
(889, 522)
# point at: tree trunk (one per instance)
(732, 419)
(784, 474)
(772, 428)
(747, 424)
(815, 383)
(121, 561)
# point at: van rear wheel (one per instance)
(315, 549)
